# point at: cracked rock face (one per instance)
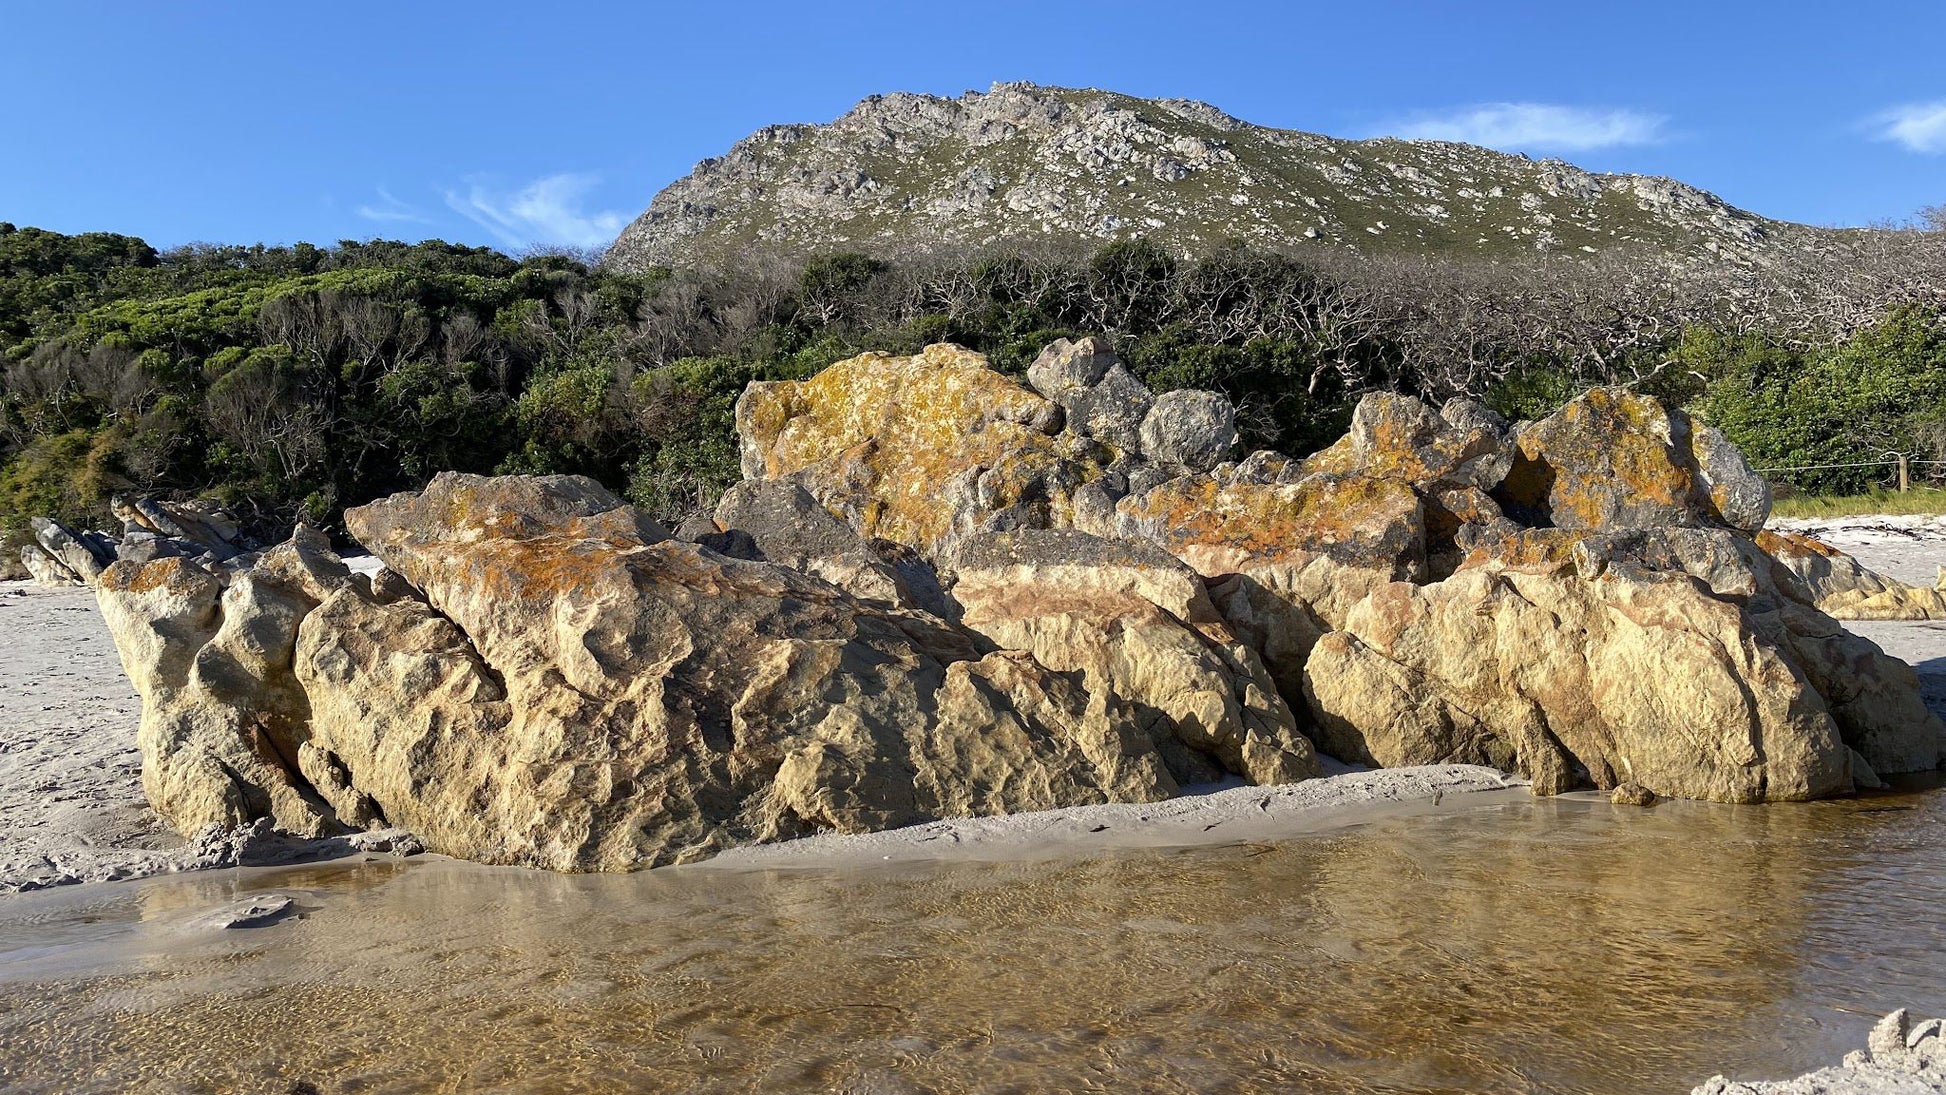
(936, 596)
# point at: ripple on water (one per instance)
(1557, 946)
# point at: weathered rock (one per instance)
(1111, 410)
(201, 523)
(918, 450)
(85, 554)
(224, 723)
(1899, 1059)
(629, 699)
(45, 568)
(1136, 623)
(1065, 367)
(1194, 429)
(1398, 437)
(786, 526)
(1846, 589)
(1616, 459)
(1668, 659)
(1286, 561)
(143, 546)
(1632, 794)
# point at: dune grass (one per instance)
(1916, 500)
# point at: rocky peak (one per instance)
(906, 172)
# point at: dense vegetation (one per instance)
(290, 382)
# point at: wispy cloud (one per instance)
(1921, 127)
(550, 210)
(1540, 126)
(390, 210)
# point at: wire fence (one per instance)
(1906, 468)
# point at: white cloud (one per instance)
(390, 210)
(547, 211)
(1921, 127)
(1548, 126)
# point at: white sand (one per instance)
(1221, 817)
(1910, 548)
(71, 805)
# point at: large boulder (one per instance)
(1613, 459)
(919, 450)
(1670, 658)
(578, 690)
(664, 700)
(1139, 627)
(1560, 664)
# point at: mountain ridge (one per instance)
(906, 172)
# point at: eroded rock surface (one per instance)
(1846, 589)
(940, 593)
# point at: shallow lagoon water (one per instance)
(1561, 945)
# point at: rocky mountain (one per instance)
(1022, 163)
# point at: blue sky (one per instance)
(510, 124)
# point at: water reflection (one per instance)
(1555, 945)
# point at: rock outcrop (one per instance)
(940, 593)
(151, 529)
(1900, 1058)
(1445, 586)
(1021, 165)
(1846, 589)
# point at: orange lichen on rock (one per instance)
(897, 445)
(1219, 526)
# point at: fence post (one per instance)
(1905, 476)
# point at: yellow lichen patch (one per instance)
(149, 576)
(1541, 550)
(884, 439)
(1605, 454)
(1269, 519)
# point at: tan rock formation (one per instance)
(1669, 659)
(1846, 589)
(630, 699)
(931, 600)
(223, 721)
(1138, 626)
